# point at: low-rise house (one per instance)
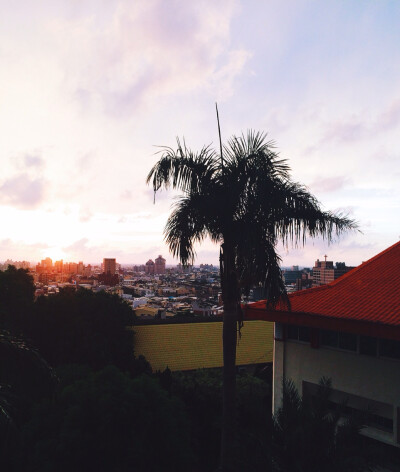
(348, 330)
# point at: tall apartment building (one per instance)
(109, 266)
(325, 272)
(58, 266)
(159, 265)
(150, 267)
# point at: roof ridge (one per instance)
(344, 277)
(364, 264)
(308, 290)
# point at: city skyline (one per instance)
(80, 118)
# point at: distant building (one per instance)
(290, 276)
(304, 282)
(159, 265)
(16, 264)
(58, 266)
(48, 263)
(109, 266)
(150, 267)
(325, 272)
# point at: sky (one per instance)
(89, 89)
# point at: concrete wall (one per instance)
(373, 378)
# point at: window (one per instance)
(389, 348)
(298, 333)
(293, 332)
(329, 338)
(304, 334)
(339, 340)
(368, 346)
(348, 341)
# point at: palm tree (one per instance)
(244, 200)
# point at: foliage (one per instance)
(16, 297)
(82, 327)
(25, 378)
(107, 421)
(308, 436)
(200, 391)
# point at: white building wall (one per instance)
(373, 378)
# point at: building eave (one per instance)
(313, 320)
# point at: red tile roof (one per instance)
(370, 293)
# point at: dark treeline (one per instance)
(73, 396)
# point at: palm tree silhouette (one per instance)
(244, 200)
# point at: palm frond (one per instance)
(256, 153)
(258, 262)
(183, 169)
(249, 199)
(190, 222)
(298, 214)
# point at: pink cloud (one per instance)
(22, 191)
(148, 51)
(329, 184)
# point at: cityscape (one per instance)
(154, 290)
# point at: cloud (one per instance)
(126, 195)
(347, 131)
(358, 127)
(23, 192)
(9, 243)
(329, 184)
(148, 51)
(77, 246)
(33, 160)
(21, 250)
(345, 210)
(390, 118)
(81, 250)
(86, 160)
(85, 215)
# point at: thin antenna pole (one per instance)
(220, 139)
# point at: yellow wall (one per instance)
(190, 346)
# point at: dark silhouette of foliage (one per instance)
(200, 391)
(245, 201)
(25, 378)
(16, 297)
(309, 436)
(108, 421)
(82, 327)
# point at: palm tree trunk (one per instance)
(230, 295)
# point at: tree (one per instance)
(244, 200)
(199, 390)
(310, 435)
(82, 327)
(25, 378)
(16, 297)
(107, 421)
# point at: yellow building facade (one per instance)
(189, 346)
